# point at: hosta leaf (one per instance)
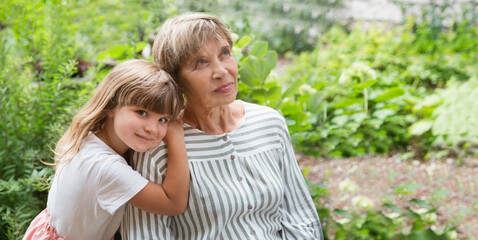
(393, 207)
(343, 213)
(420, 127)
(421, 203)
(294, 87)
(390, 94)
(347, 102)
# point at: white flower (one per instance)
(234, 37)
(360, 70)
(306, 88)
(345, 78)
(452, 235)
(430, 169)
(426, 215)
(342, 220)
(393, 215)
(348, 186)
(362, 203)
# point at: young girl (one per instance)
(133, 108)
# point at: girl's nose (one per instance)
(152, 127)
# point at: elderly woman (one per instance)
(245, 180)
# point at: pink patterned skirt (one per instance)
(40, 228)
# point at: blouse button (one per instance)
(239, 178)
(249, 207)
(224, 138)
(253, 232)
(233, 157)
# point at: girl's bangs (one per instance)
(162, 99)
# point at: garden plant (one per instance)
(347, 92)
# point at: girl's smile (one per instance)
(136, 128)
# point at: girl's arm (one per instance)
(171, 197)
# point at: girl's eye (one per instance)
(163, 120)
(142, 113)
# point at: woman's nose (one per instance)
(219, 69)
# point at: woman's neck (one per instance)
(216, 120)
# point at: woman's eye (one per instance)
(163, 120)
(142, 113)
(200, 63)
(226, 52)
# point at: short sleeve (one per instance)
(118, 184)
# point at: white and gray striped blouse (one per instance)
(245, 184)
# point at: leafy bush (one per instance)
(285, 25)
(38, 59)
(355, 94)
(47, 70)
(359, 88)
(414, 223)
(363, 221)
(450, 118)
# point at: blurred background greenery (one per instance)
(349, 88)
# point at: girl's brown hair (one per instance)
(135, 82)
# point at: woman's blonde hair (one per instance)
(135, 82)
(184, 35)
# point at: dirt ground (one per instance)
(451, 186)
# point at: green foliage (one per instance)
(360, 88)
(450, 117)
(455, 120)
(286, 25)
(390, 222)
(356, 93)
(47, 70)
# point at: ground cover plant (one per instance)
(360, 91)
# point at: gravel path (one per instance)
(450, 187)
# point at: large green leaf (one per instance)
(420, 127)
(273, 96)
(254, 71)
(343, 213)
(244, 41)
(259, 95)
(393, 207)
(421, 203)
(271, 59)
(427, 234)
(390, 94)
(115, 52)
(316, 102)
(293, 87)
(347, 102)
(259, 49)
(366, 84)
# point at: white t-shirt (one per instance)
(88, 194)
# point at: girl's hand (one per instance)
(175, 132)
